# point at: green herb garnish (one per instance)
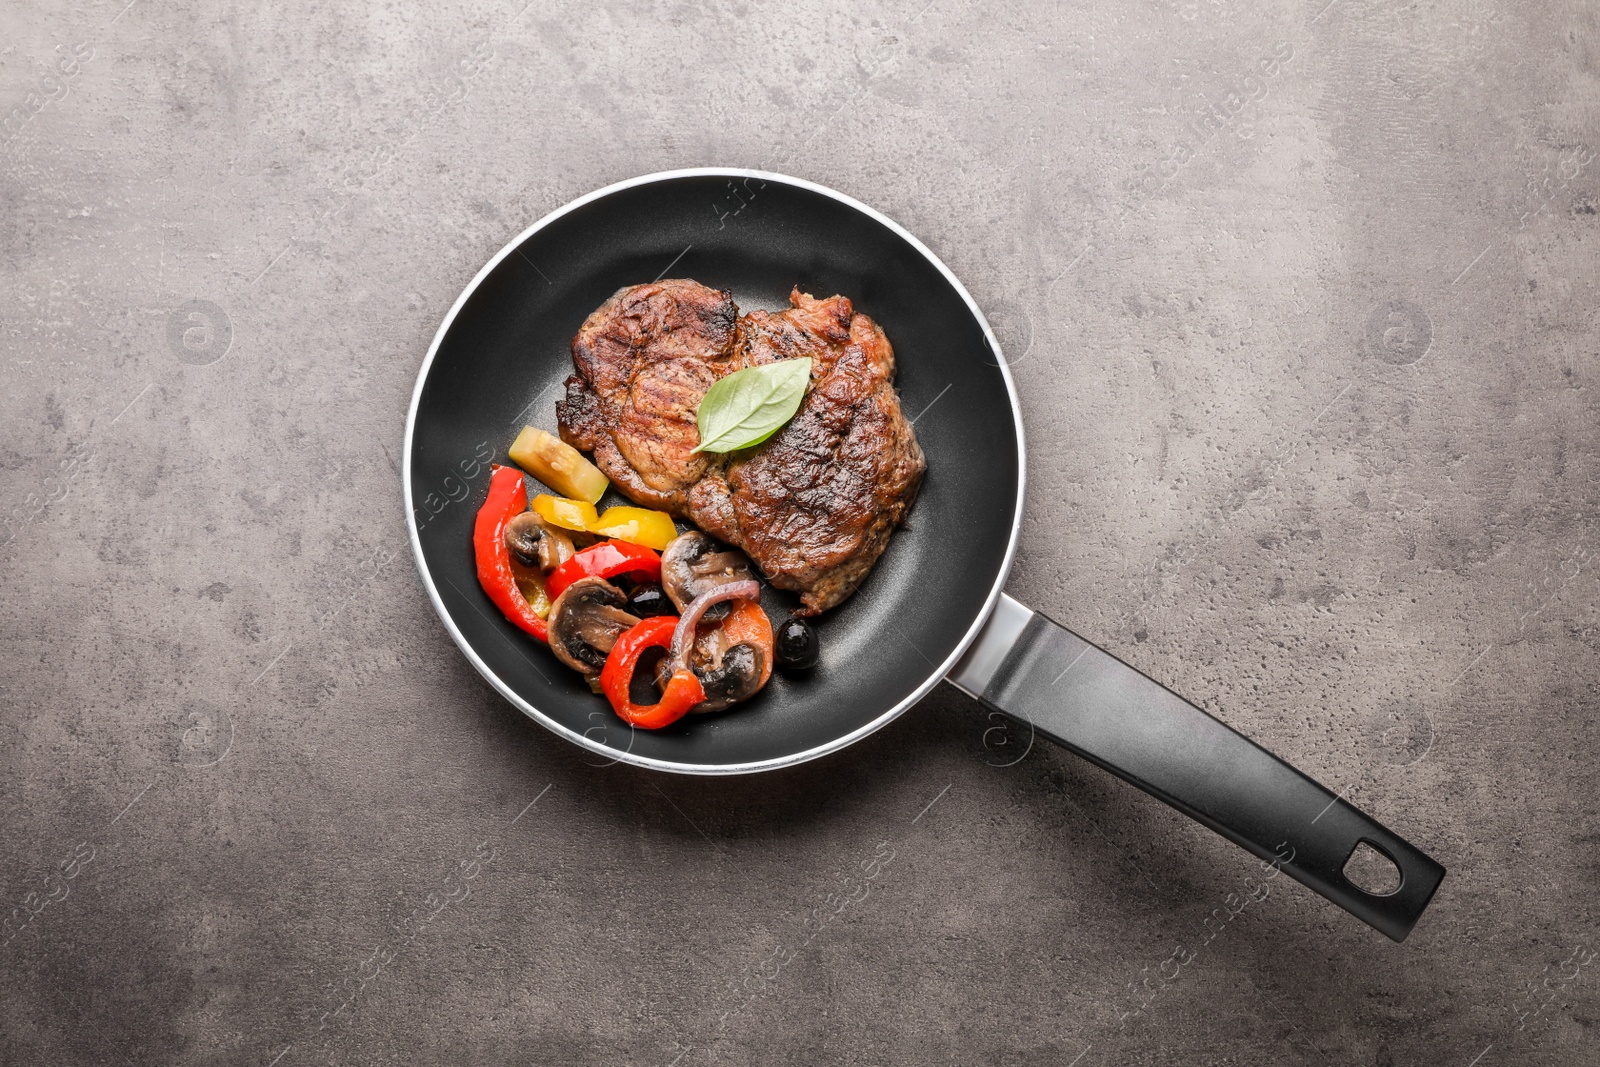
(749, 406)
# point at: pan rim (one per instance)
(921, 690)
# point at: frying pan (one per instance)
(933, 608)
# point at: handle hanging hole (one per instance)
(1371, 870)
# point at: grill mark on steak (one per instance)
(814, 506)
(644, 359)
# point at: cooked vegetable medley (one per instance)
(604, 590)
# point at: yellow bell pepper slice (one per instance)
(568, 514)
(530, 583)
(558, 465)
(640, 526)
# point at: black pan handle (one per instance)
(1081, 697)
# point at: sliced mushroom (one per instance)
(585, 622)
(733, 657)
(693, 564)
(537, 543)
(728, 673)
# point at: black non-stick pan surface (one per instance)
(504, 350)
(933, 607)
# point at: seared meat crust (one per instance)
(813, 506)
(645, 358)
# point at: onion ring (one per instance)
(683, 636)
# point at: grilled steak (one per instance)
(815, 504)
(644, 359)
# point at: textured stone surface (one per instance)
(1311, 394)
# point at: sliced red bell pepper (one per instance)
(683, 689)
(605, 560)
(507, 499)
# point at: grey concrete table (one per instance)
(1302, 301)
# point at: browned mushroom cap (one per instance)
(692, 564)
(733, 658)
(728, 673)
(537, 543)
(585, 622)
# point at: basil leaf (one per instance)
(749, 406)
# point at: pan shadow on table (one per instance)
(1061, 853)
